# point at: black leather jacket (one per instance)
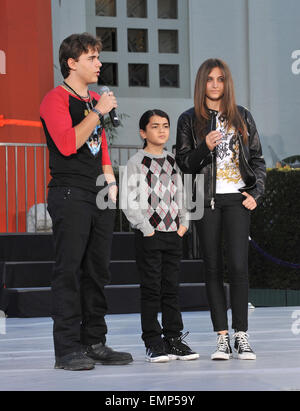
(194, 157)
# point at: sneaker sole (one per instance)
(247, 357)
(67, 368)
(221, 357)
(184, 358)
(163, 358)
(121, 362)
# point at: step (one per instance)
(26, 247)
(122, 299)
(26, 274)
(40, 247)
(22, 274)
(123, 247)
(126, 272)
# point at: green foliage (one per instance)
(275, 227)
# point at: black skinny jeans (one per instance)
(231, 219)
(82, 235)
(158, 260)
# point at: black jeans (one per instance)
(231, 219)
(158, 261)
(82, 235)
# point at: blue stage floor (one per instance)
(26, 357)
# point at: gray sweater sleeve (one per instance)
(133, 203)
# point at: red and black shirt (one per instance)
(60, 112)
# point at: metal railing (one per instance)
(24, 176)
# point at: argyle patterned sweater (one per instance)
(152, 193)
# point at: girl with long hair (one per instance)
(219, 139)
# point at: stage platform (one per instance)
(26, 357)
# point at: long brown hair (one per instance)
(228, 104)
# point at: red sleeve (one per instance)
(105, 154)
(54, 110)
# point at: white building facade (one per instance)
(153, 49)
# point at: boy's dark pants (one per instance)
(82, 237)
(158, 261)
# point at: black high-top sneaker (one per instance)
(156, 353)
(242, 346)
(224, 351)
(177, 349)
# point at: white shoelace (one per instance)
(222, 342)
(242, 339)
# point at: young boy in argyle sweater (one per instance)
(152, 200)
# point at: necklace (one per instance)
(89, 103)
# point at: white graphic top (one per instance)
(229, 179)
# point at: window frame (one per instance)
(153, 57)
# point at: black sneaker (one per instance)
(157, 353)
(242, 346)
(102, 354)
(177, 349)
(76, 361)
(224, 351)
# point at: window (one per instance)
(109, 75)
(105, 7)
(145, 46)
(168, 41)
(169, 75)
(108, 37)
(137, 8)
(137, 41)
(138, 75)
(167, 9)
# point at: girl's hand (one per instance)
(249, 203)
(181, 230)
(213, 139)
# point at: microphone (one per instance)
(112, 114)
